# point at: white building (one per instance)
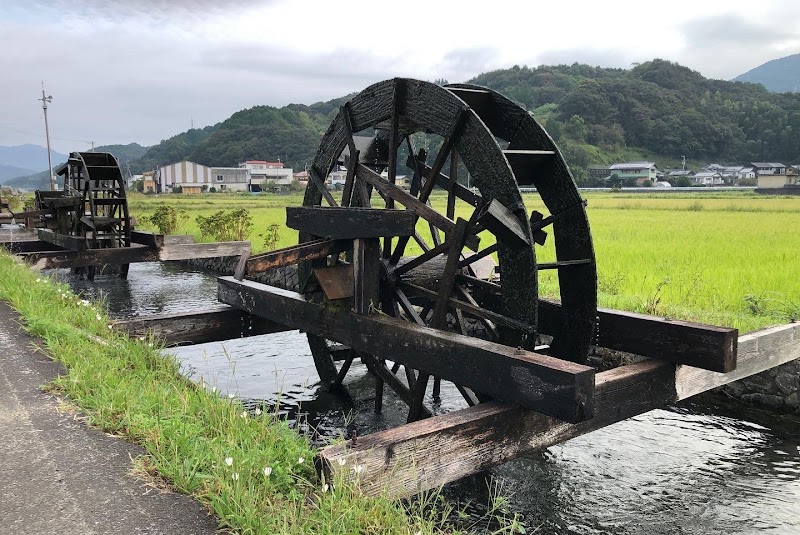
(231, 178)
(262, 171)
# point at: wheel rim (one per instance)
(399, 110)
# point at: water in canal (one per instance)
(705, 466)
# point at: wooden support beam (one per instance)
(132, 254)
(443, 181)
(304, 252)
(30, 246)
(366, 275)
(503, 223)
(682, 342)
(426, 454)
(350, 223)
(553, 386)
(149, 239)
(199, 326)
(73, 243)
(412, 203)
(18, 235)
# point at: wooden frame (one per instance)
(426, 454)
(553, 386)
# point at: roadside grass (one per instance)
(253, 471)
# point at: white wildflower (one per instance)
(213, 389)
(244, 414)
(267, 471)
(229, 461)
(324, 487)
(98, 317)
(257, 412)
(230, 396)
(301, 460)
(236, 476)
(341, 461)
(358, 469)
(38, 280)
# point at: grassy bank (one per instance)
(722, 258)
(251, 470)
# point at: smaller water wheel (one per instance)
(96, 203)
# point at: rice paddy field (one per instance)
(728, 259)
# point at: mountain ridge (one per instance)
(780, 75)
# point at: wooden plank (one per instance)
(199, 326)
(412, 203)
(18, 235)
(350, 223)
(30, 246)
(304, 252)
(683, 342)
(336, 281)
(503, 223)
(73, 243)
(553, 386)
(132, 254)
(149, 239)
(525, 163)
(202, 250)
(757, 351)
(426, 454)
(366, 275)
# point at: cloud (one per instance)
(144, 9)
(726, 45)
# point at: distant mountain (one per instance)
(779, 75)
(41, 180)
(30, 182)
(11, 171)
(28, 157)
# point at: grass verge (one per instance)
(253, 471)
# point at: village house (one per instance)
(261, 172)
(640, 171)
(773, 175)
(708, 178)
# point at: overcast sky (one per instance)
(143, 70)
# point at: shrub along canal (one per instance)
(706, 466)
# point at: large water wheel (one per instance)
(441, 276)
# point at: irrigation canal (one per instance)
(706, 466)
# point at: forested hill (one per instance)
(659, 106)
(291, 133)
(656, 109)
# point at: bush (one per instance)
(166, 218)
(271, 236)
(226, 226)
(683, 182)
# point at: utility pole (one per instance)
(45, 100)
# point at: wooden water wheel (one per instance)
(99, 213)
(439, 275)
